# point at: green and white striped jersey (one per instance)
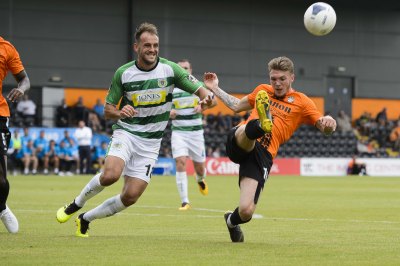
(187, 119)
(150, 93)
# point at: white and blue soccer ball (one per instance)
(320, 19)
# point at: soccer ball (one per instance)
(320, 19)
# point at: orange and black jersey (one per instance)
(9, 61)
(288, 114)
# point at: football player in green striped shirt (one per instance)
(140, 99)
(187, 139)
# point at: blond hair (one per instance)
(281, 63)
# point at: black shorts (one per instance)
(5, 135)
(255, 164)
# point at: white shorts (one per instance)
(139, 154)
(188, 144)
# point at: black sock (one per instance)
(235, 218)
(253, 129)
(4, 190)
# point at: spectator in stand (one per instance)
(209, 152)
(395, 137)
(382, 115)
(16, 138)
(381, 132)
(100, 154)
(29, 158)
(63, 113)
(83, 135)
(79, 111)
(98, 108)
(343, 122)
(66, 158)
(364, 124)
(24, 141)
(94, 121)
(71, 143)
(51, 157)
(13, 151)
(27, 109)
(40, 144)
(217, 152)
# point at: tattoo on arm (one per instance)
(229, 100)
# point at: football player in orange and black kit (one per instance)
(9, 61)
(277, 111)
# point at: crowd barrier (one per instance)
(290, 166)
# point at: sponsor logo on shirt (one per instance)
(186, 103)
(148, 97)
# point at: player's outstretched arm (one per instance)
(326, 125)
(233, 103)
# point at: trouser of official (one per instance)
(85, 155)
(5, 136)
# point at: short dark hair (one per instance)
(184, 60)
(145, 27)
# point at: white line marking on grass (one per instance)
(255, 216)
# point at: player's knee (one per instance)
(129, 199)
(108, 178)
(246, 212)
(181, 163)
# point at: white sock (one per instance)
(182, 185)
(107, 208)
(89, 191)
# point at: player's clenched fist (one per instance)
(127, 111)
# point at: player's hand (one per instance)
(198, 109)
(127, 111)
(211, 81)
(172, 114)
(207, 101)
(328, 124)
(15, 94)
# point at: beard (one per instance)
(148, 62)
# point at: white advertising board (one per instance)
(338, 166)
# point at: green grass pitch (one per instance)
(299, 221)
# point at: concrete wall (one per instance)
(83, 42)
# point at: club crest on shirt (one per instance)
(162, 83)
(290, 99)
(192, 79)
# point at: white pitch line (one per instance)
(255, 216)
